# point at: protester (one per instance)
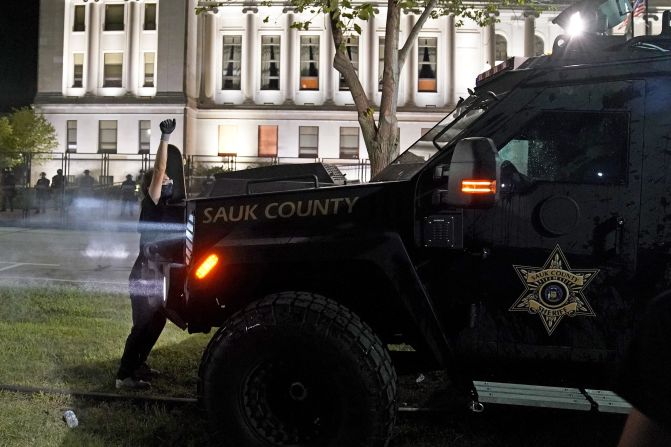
(145, 283)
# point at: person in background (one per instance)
(8, 190)
(145, 284)
(128, 198)
(58, 188)
(42, 192)
(206, 185)
(645, 379)
(86, 184)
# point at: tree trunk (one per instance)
(383, 146)
(381, 143)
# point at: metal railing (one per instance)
(111, 169)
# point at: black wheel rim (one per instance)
(290, 401)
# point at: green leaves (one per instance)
(24, 131)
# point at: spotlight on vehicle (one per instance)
(592, 16)
(576, 25)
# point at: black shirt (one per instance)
(57, 181)
(128, 190)
(645, 380)
(152, 226)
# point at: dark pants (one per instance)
(8, 200)
(146, 296)
(42, 202)
(128, 204)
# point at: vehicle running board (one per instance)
(551, 397)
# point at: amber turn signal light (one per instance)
(478, 186)
(206, 266)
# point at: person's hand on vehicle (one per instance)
(167, 126)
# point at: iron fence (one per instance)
(109, 170)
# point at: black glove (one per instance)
(167, 126)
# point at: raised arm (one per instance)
(167, 126)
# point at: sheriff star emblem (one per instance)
(554, 290)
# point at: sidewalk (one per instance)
(81, 214)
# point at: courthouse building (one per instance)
(242, 83)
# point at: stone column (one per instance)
(134, 35)
(93, 56)
(289, 81)
(200, 56)
(411, 67)
(192, 68)
(450, 52)
(530, 33)
(248, 68)
(327, 69)
(209, 58)
(490, 45)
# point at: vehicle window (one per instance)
(571, 146)
(423, 149)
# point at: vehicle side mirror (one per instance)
(474, 174)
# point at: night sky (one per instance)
(18, 53)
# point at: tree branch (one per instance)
(410, 41)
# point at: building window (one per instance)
(501, 49)
(113, 70)
(539, 46)
(114, 16)
(427, 49)
(380, 63)
(78, 70)
(270, 62)
(228, 140)
(150, 16)
(352, 50)
(107, 133)
(349, 142)
(149, 69)
(72, 136)
(145, 136)
(79, 23)
(231, 63)
(308, 141)
(267, 141)
(309, 62)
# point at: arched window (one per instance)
(501, 52)
(539, 46)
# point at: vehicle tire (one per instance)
(298, 369)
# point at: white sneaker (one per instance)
(131, 383)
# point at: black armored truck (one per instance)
(514, 246)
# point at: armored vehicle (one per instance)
(513, 245)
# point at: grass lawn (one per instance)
(72, 339)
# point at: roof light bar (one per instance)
(509, 64)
